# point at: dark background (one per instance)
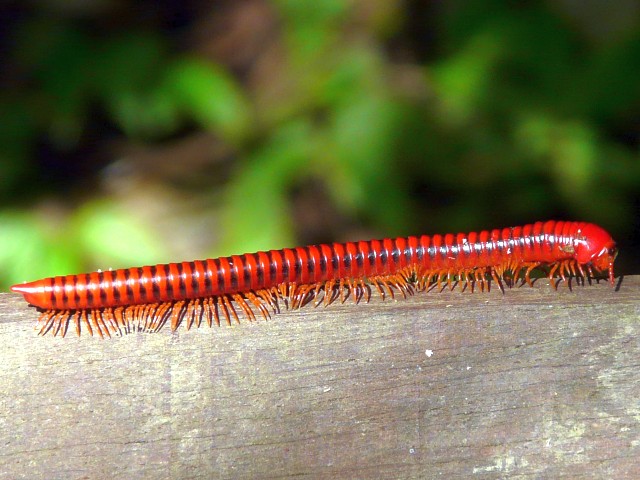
(144, 132)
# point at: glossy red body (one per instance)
(539, 243)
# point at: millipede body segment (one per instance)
(146, 298)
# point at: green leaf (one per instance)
(256, 215)
(115, 236)
(362, 173)
(30, 249)
(209, 95)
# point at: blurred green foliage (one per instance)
(413, 119)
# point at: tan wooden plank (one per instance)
(533, 383)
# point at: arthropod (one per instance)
(146, 298)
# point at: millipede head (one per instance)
(596, 248)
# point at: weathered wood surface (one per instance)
(530, 384)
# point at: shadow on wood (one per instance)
(527, 384)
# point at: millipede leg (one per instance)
(581, 272)
(341, 290)
(111, 324)
(258, 304)
(176, 314)
(118, 317)
(103, 323)
(209, 310)
(463, 282)
(308, 293)
(189, 314)
(450, 277)
(162, 315)
(50, 322)
(376, 282)
(216, 310)
(497, 279)
(245, 307)
(366, 290)
(283, 292)
(385, 282)
(329, 292)
(269, 299)
(316, 294)
(223, 307)
(553, 270)
(149, 313)
(58, 324)
(79, 320)
(43, 320)
(95, 324)
(65, 325)
(230, 308)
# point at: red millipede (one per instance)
(146, 298)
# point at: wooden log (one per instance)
(532, 383)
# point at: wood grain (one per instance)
(532, 383)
